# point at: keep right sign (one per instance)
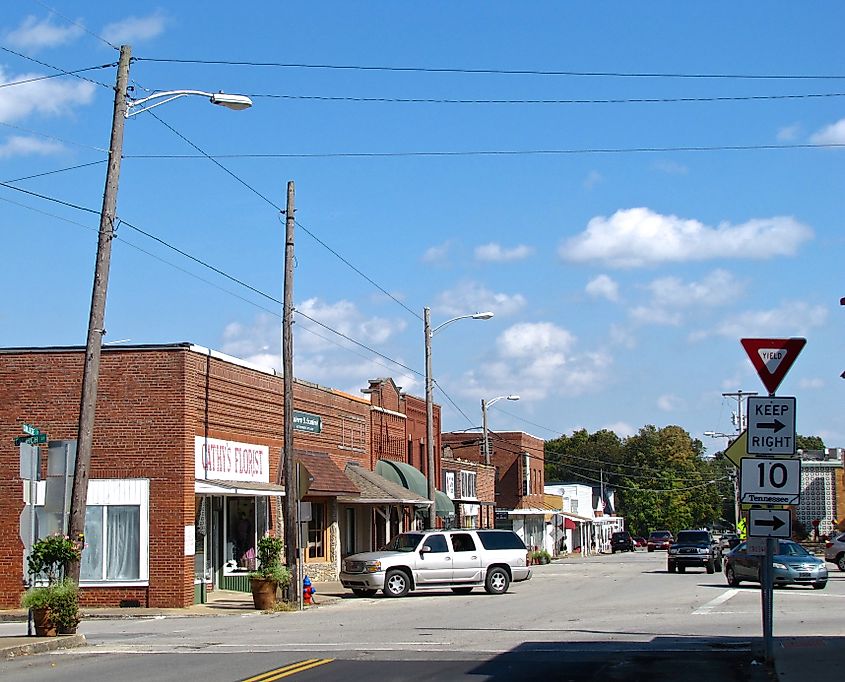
(771, 426)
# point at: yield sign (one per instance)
(772, 358)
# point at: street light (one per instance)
(96, 328)
(484, 405)
(429, 404)
(224, 99)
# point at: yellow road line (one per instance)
(288, 670)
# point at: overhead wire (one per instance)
(502, 152)
(47, 136)
(58, 170)
(622, 100)
(75, 23)
(60, 70)
(35, 79)
(501, 72)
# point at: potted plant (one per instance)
(540, 556)
(54, 605)
(270, 574)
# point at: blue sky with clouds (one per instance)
(617, 183)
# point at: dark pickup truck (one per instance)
(694, 548)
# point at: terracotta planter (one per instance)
(43, 624)
(263, 594)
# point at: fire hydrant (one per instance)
(308, 591)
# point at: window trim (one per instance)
(325, 557)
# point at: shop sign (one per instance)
(226, 460)
(303, 421)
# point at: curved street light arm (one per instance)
(227, 100)
(474, 316)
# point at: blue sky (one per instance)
(623, 267)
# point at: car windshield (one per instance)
(693, 536)
(620, 536)
(789, 548)
(405, 542)
(660, 535)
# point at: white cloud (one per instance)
(832, 134)
(437, 254)
(639, 237)
(496, 253)
(135, 29)
(793, 318)
(321, 356)
(621, 429)
(28, 146)
(811, 384)
(593, 178)
(790, 132)
(34, 34)
(48, 97)
(655, 315)
(670, 167)
(670, 403)
(717, 288)
(471, 297)
(603, 287)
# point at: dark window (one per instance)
(405, 542)
(492, 539)
(463, 542)
(437, 543)
(694, 537)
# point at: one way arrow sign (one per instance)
(771, 523)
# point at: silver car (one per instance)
(460, 560)
(792, 564)
(834, 551)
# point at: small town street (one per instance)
(611, 617)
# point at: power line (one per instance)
(76, 23)
(35, 79)
(58, 170)
(502, 152)
(501, 72)
(624, 100)
(53, 137)
(60, 70)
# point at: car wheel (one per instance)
(730, 576)
(718, 565)
(613, 551)
(362, 592)
(671, 568)
(396, 583)
(840, 561)
(497, 581)
(710, 568)
(819, 586)
(651, 549)
(461, 590)
(682, 569)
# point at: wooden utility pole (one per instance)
(291, 506)
(96, 320)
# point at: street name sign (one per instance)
(30, 429)
(771, 426)
(31, 440)
(770, 523)
(770, 481)
(772, 358)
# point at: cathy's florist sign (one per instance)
(227, 460)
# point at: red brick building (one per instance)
(519, 462)
(184, 475)
(472, 488)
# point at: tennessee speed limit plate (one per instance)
(770, 481)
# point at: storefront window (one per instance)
(240, 539)
(113, 536)
(317, 533)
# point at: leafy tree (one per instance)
(808, 442)
(582, 457)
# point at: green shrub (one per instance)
(270, 562)
(61, 599)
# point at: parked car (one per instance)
(694, 548)
(639, 541)
(659, 539)
(834, 551)
(792, 565)
(621, 541)
(436, 559)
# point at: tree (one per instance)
(808, 442)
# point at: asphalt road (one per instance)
(617, 617)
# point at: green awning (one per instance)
(413, 479)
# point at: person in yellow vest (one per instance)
(741, 529)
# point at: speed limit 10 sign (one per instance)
(770, 481)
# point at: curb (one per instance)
(42, 645)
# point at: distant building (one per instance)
(822, 489)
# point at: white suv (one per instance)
(436, 559)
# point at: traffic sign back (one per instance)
(772, 358)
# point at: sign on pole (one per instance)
(772, 358)
(738, 449)
(771, 523)
(771, 426)
(770, 481)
